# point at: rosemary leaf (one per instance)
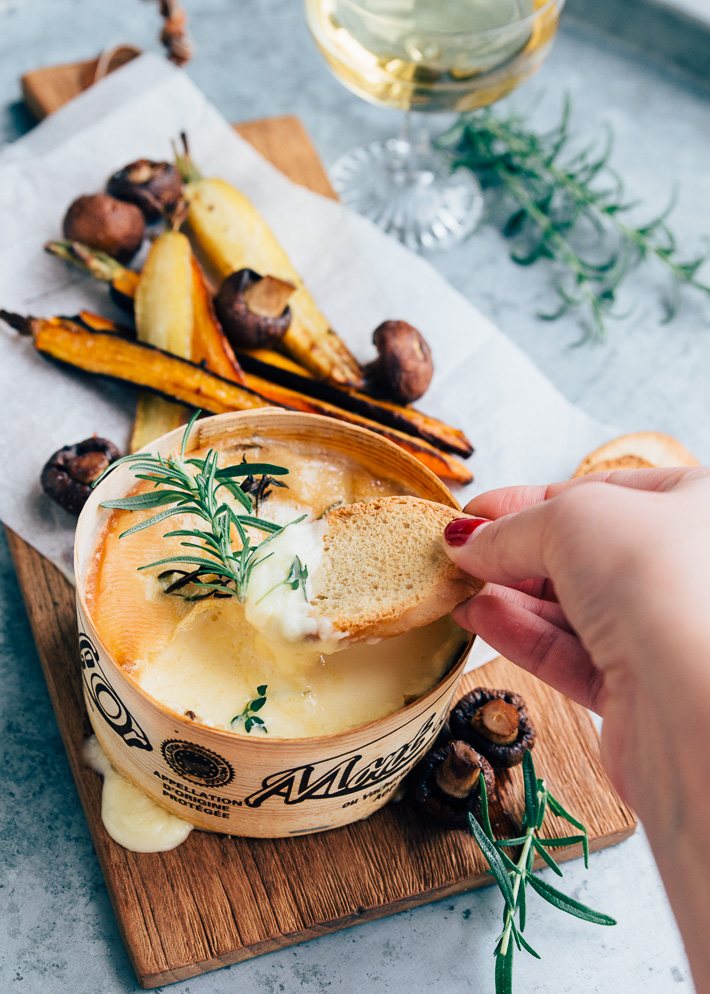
(521, 940)
(522, 909)
(557, 809)
(565, 903)
(194, 560)
(547, 857)
(169, 512)
(504, 972)
(530, 784)
(497, 867)
(485, 817)
(252, 469)
(140, 502)
(567, 840)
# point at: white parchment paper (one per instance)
(523, 429)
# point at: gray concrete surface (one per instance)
(57, 930)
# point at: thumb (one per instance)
(506, 551)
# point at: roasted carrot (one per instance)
(405, 419)
(107, 354)
(112, 355)
(209, 343)
(96, 322)
(273, 358)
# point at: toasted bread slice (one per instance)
(641, 450)
(384, 569)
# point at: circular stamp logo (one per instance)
(197, 764)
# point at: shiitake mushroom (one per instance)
(496, 723)
(445, 786)
(403, 368)
(154, 187)
(253, 309)
(69, 473)
(104, 223)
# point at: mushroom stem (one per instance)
(459, 774)
(498, 721)
(89, 467)
(269, 296)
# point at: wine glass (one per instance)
(433, 56)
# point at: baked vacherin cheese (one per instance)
(205, 659)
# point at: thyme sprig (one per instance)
(513, 877)
(555, 199)
(193, 486)
(297, 576)
(249, 716)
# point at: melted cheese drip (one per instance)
(130, 817)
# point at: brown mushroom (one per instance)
(107, 224)
(446, 785)
(496, 723)
(69, 473)
(403, 368)
(155, 187)
(253, 310)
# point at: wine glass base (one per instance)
(410, 191)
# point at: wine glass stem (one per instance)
(414, 147)
(414, 131)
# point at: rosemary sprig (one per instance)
(193, 486)
(558, 199)
(297, 576)
(249, 713)
(513, 877)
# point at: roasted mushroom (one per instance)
(403, 368)
(107, 224)
(496, 722)
(155, 187)
(68, 475)
(445, 786)
(253, 310)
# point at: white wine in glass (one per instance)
(425, 55)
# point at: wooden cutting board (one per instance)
(217, 900)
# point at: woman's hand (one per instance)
(601, 587)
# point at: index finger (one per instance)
(508, 500)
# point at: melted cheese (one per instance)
(216, 660)
(279, 611)
(130, 817)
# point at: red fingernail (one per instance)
(459, 531)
